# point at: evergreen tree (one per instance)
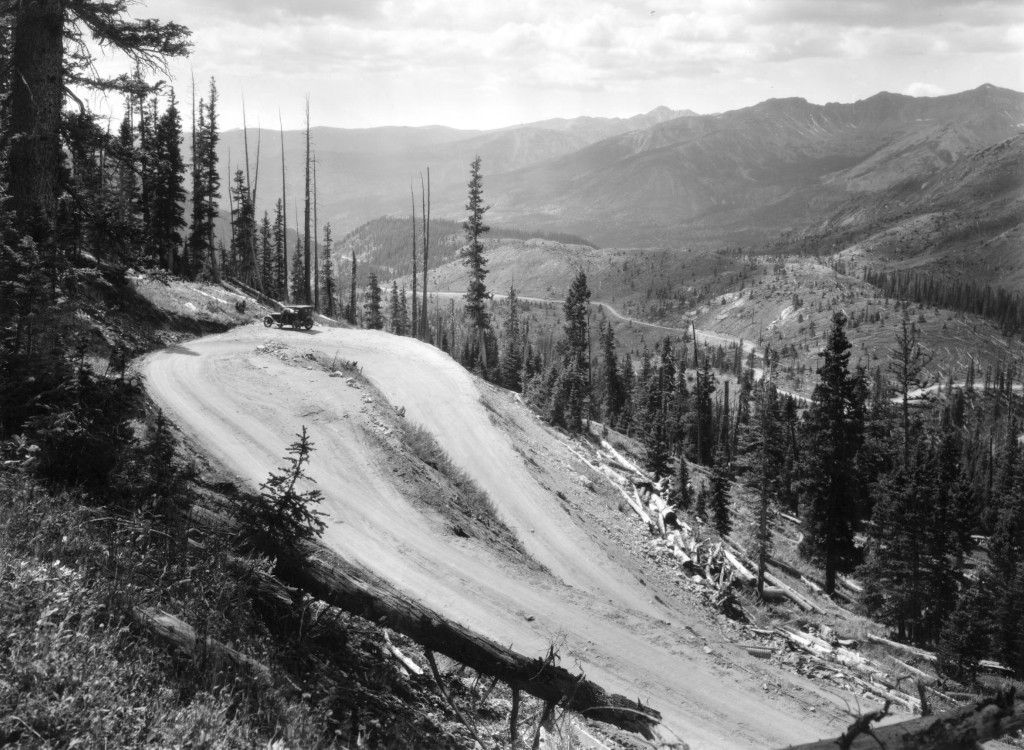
(574, 382)
(327, 276)
(282, 517)
(45, 58)
(266, 256)
(910, 573)
(613, 396)
(831, 487)
(350, 308)
(202, 257)
(512, 356)
(279, 250)
(396, 318)
(472, 255)
(374, 315)
(681, 490)
(703, 416)
(243, 233)
(656, 456)
(168, 203)
(297, 277)
(906, 361)
(963, 642)
(718, 499)
(403, 312)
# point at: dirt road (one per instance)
(243, 406)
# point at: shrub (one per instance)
(282, 516)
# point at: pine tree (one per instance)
(472, 255)
(574, 382)
(168, 202)
(906, 361)
(327, 275)
(403, 312)
(283, 516)
(350, 308)
(831, 486)
(703, 416)
(205, 189)
(512, 356)
(243, 233)
(297, 277)
(395, 312)
(374, 316)
(613, 392)
(656, 456)
(268, 276)
(909, 575)
(721, 518)
(681, 489)
(963, 642)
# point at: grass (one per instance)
(76, 671)
(425, 447)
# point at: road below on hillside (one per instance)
(242, 406)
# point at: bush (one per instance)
(281, 517)
(82, 430)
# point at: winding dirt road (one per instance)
(242, 406)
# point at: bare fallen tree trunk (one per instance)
(328, 577)
(960, 729)
(181, 635)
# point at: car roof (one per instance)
(300, 307)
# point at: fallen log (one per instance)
(739, 567)
(410, 666)
(623, 461)
(960, 729)
(183, 637)
(927, 655)
(634, 503)
(330, 578)
(800, 600)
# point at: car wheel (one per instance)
(268, 321)
(308, 324)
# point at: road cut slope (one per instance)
(243, 406)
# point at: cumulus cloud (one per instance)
(920, 88)
(437, 53)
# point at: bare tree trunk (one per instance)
(36, 98)
(316, 246)
(286, 293)
(424, 321)
(331, 579)
(960, 729)
(412, 197)
(308, 286)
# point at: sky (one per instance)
(480, 64)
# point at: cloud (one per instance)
(450, 55)
(919, 88)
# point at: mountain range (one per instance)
(778, 173)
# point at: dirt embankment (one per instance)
(242, 397)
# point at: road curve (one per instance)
(243, 407)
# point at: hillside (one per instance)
(660, 177)
(383, 245)
(786, 302)
(363, 173)
(741, 175)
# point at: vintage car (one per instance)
(296, 316)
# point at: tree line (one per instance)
(1000, 305)
(893, 491)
